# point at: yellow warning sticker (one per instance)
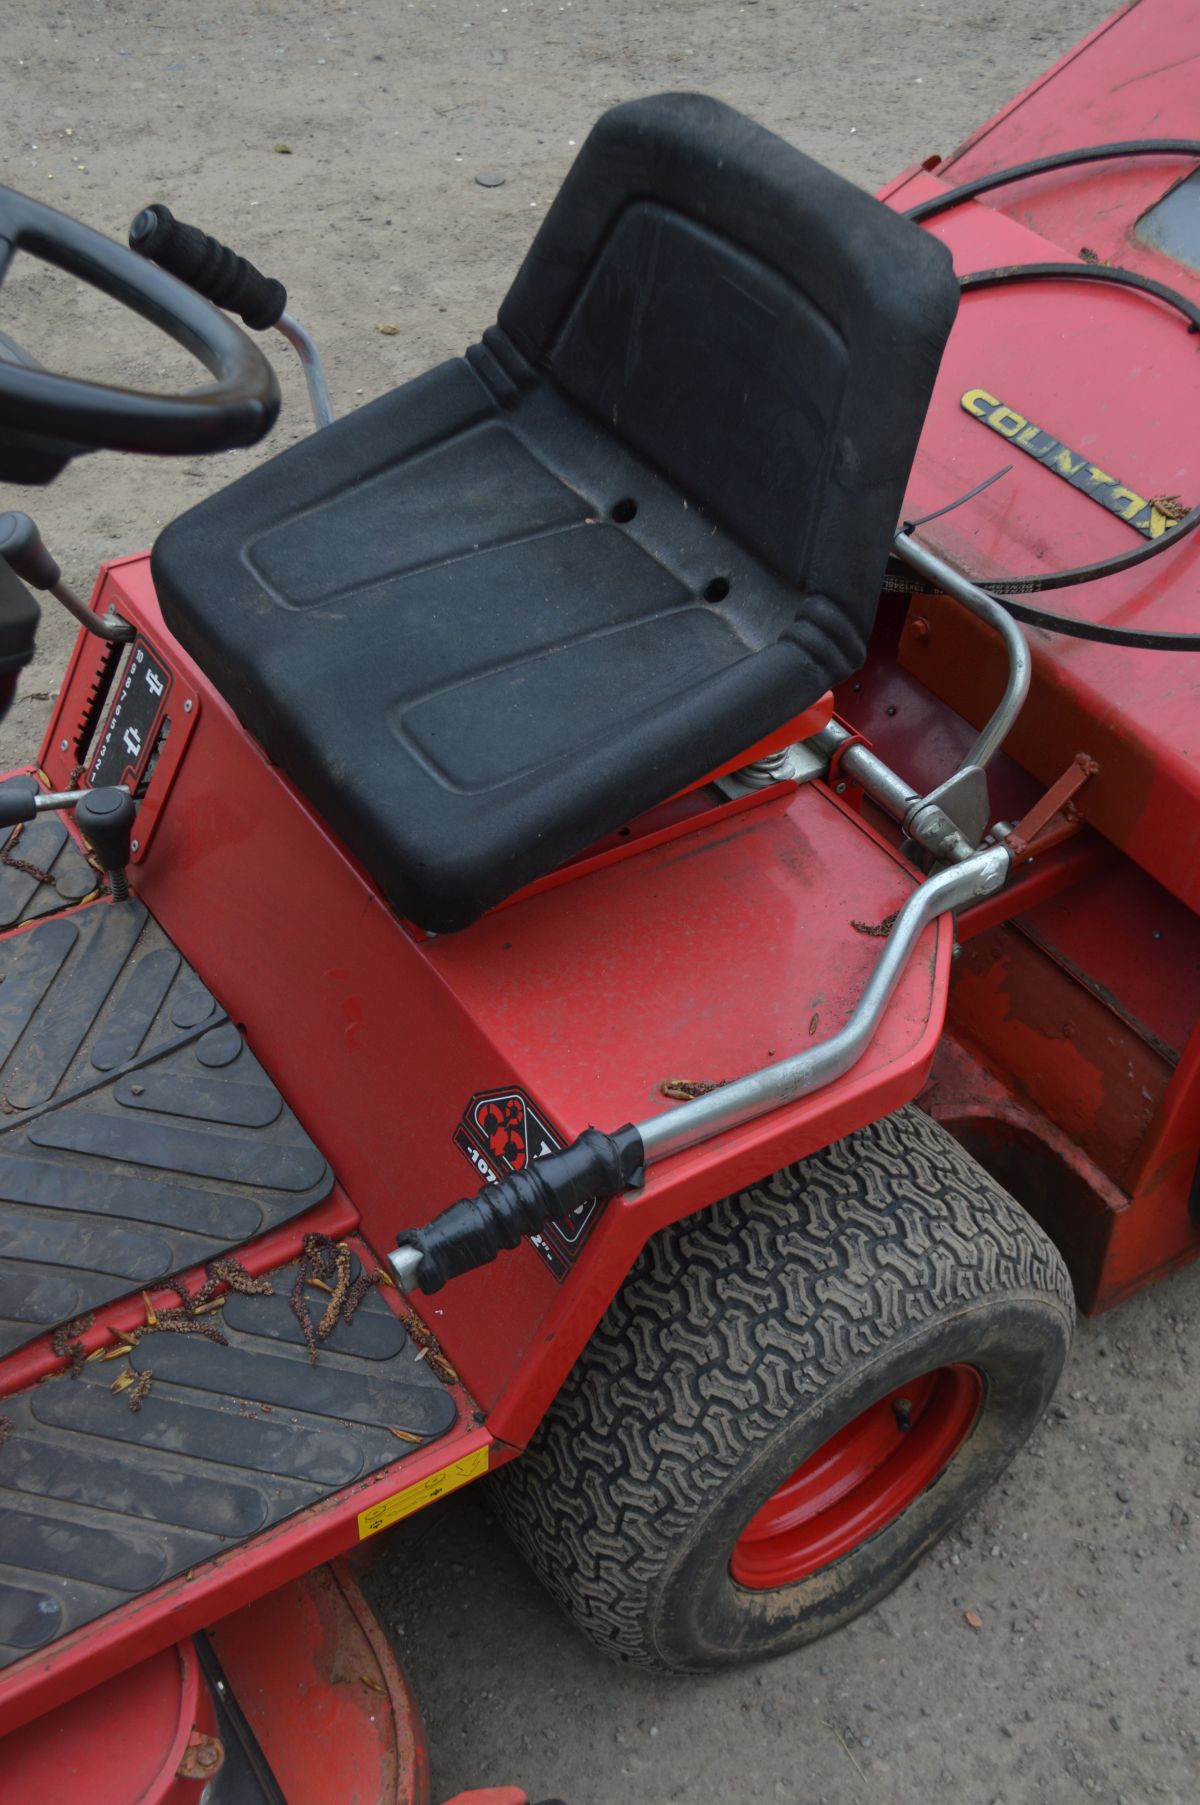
(425, 1491)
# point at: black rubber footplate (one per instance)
(100, 1503)
(139, 1135)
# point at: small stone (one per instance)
(283, 150)
(490, 178)
(1124, 1494)
(973, 1620)
(1115, 1721)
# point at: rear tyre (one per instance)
(795, 1393)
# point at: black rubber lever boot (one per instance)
(208, 266)
(105, 818)
(475, 1229)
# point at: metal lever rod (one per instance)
(464, 1235)
(314, 370)
(987, 608)
(104, 626)
(23, 550)
(954, 888)
(922, 817)
(858, 761)
(55, 799)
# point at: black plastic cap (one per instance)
(22, 549)
(105, 818)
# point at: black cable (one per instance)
(1085, 573)
(900, 581)
(910, 526)
(1061, 159)
(1120, 278)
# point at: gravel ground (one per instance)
(338, 145)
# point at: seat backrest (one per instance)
(757, 328)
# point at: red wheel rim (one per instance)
(860, 1480)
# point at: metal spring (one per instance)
(765, 771)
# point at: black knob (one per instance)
(17, 800)
(22, 550)
(105, 818)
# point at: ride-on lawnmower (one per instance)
(707, 780)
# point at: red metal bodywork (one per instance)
(1079, 1020)
(85, 1751)
(323, 1694)
(713, 937)
(699, 956)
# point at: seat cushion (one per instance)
(458, 654)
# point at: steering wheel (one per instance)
(47, 419)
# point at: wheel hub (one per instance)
(860, 1480)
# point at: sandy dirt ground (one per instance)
(338, 145)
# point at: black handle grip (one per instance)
(475, 1229)
(22, 550)
(16, 802)
(208, 266)
(106, 819)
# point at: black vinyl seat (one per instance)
(497, 613)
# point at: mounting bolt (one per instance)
(64, 745)
(919, 627)
(839, 789)
(202, 1757)
(187, 707)
(133, 846)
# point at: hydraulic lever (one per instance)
(23, 550)
(105, 818)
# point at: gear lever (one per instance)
(105, 818)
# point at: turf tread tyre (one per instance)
(739, 1321)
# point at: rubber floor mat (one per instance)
(138, 1133)
(100, 1503)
